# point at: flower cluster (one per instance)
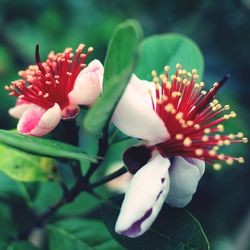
(178, 122)
(52, 90)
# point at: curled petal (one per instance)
(37, 121)
(88, 84)
(185, 174)
(134, 114)
(144, 198)
(70, 112)
(19, 108)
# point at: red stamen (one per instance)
(50, 82)
(192, 118)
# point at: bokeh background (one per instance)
(220, 28)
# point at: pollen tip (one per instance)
(178, 66)
(217, 166)
(167, 68)
(245, 140)
(179, 136)
(187, 142)
(199, 152)
(90, 49)
(241, 160)
(154, 73)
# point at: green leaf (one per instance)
(21, 245)
(173, 229)
(26, 167)
(78, 234)
(118, 67)
(168, 49)
(43, 147)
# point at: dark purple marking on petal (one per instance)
(135, 228)
(158, 196)
(163, 180)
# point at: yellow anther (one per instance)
(90, 49)
(240, 134)
(173, 77)
(190, 123)
(178, 78)
(202, 84)
(169, 107)
(215, 101)
(217, 166)
(164, 98)
(155, 79)
(218, 106)
(189, 74)
(154, 73)
(226, 107)
(162, 76)
(221, 157)
(166, 68)
(194, 71)
(231, 136)
(220, 128)
(233, 114)
(244, 140)
(216, 84)
(178, 66)
(184, 72)
(199, 152)
(180, 72)
(196, 85)
(187, 142)
(179, 116)
(204, 138)
(179, 136)
(227, 142)
(203, 92)
(207, 130)
(197, 126)
(176, 93)
(215, 148)
(168, 85)
(184, 81)
(241, 160)
(217, 137)
(229, 161)
(220, 143)
(212, 152)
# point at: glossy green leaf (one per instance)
(168, 49)
(79, 234)
(26, 167)
(173, 229)
(21, 245)
(119, 65)
(43, 147)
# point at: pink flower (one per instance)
(180, 125)
(53, 90)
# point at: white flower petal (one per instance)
(134, 114)
(185, 174)
(88, 84)
(19, 108)
(37, 121)
(144, 198)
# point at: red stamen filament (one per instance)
(192, 117)
(50, 82)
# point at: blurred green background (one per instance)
(220, 28)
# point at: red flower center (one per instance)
(193, 118)
(50, 82)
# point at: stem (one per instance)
(81, 185)
(108, 178)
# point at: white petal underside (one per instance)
(144, 198)
(185, 174)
